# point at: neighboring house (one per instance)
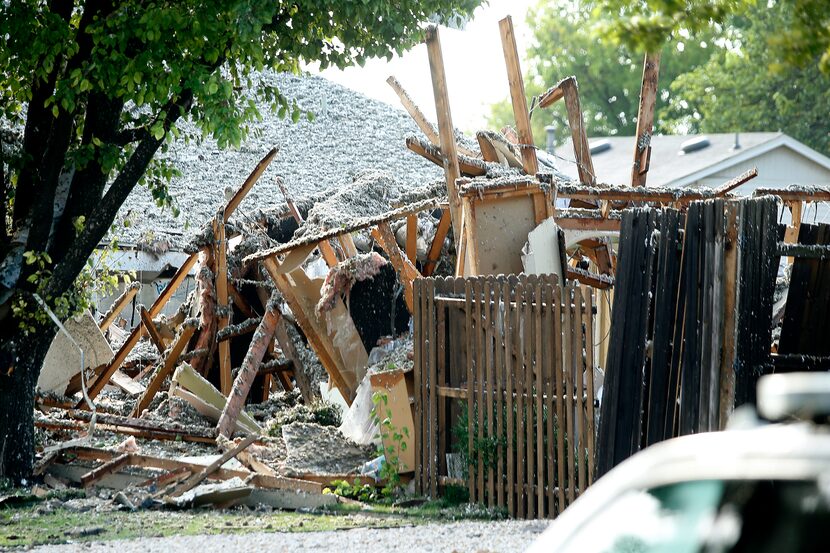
(713, 160)
(349, 133)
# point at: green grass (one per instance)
(32, 522)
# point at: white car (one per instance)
(759, 489)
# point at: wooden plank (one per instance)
(96, 387)
(407, 273)
(467, 166)
(730, 291)
(433, 398)
(559, 391)
(582, 151)
(109, 467)
(509, 381)
(791, 233)
(487, 307)
(517, 96)
(165, 370)
(498, 383)
(568, 369)
(538, 392)
(222, 307)
(412, 238)
(731, 184)
(579, 432)
(478, 295)
(441, 373)
(446, 130)
(200, 476)
(420, 119)
(437, 242)
(119, 305)
(150, 327)
(645, 119)
(519, 383)
(290, 352)
(549, 355)
(551, 95)
(527, 373)
(468, 315)
(418, 339)
(317, 339)
(813, 194)
(588, 296)
(249, 183)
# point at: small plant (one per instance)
(396, 444)
(360, 492)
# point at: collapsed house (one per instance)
(558, 324)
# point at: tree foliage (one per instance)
(90, 90)
(609, 75)
(734, 90)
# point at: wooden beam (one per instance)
(791, 233)
(113, 465)
(289, 350)
(407, 273)
(325, 248)
(119, 305)
(420, 119)
(150, 327)
(314, 332)
(412, 238)
(200, 476)
(731, 184)
(517, 96)
(249, 183)
(166, 369)
(222, 306)
(446, 130)
(250, 368)
(138, 331)
(645, 120)
(347, 242)
(437, 243)
(803, 194)
(551, 95)
(470, 167)
(579, 137)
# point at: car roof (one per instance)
(799, 451)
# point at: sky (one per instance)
(473, 62)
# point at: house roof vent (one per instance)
(599, 146)
(694, 144)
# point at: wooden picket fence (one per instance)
(504, 374)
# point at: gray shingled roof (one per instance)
(613, 166)
(350, 133)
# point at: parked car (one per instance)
(764, 487)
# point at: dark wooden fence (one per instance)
(504, 377)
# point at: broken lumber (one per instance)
(289, 350)
(467, 166)
(199, 477)
(119, 305)
(731, 184)
(407, 273)
(645, 119)
(579, 137)
(206, 399)
(250, 367)
(136, 334)
(222, 305)
(437, 243)
(165, 369)
(420, 119)
(552, 95)
(108, 467)
(517, 96)
(446, 130)
(249, 183)
(79, 420)
(325, 248)
(150, 327)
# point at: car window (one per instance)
(711, 515)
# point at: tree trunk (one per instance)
(22, 357)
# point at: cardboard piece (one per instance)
(541, 254)
(397, 407)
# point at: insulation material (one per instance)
(63, 360)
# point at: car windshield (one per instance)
(712, 516)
